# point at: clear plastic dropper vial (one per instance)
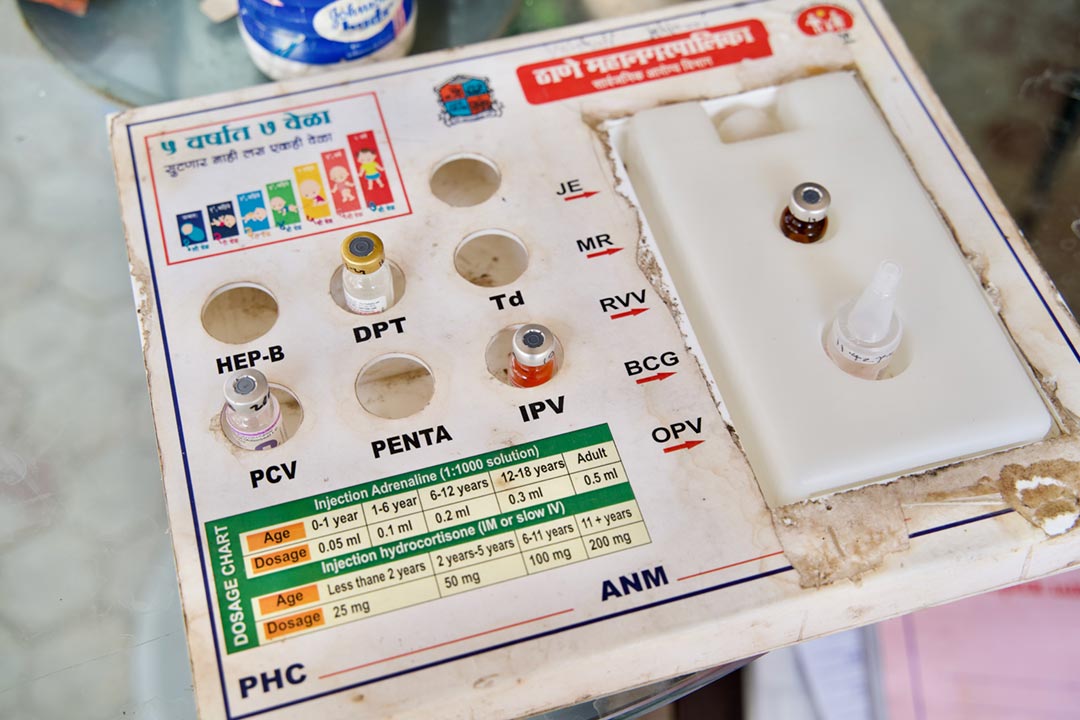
(367, 280)
(866, 331)
(251, 418)
(532, 356)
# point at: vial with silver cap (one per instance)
(251, 418)
(866, 331)
(366, 279)
(806, 216)
(532, 356)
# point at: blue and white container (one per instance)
(291, 38)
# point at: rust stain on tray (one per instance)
(842, 536)
(1045, 493)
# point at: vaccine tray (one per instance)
(689, 477)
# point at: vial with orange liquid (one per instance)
(532, 356)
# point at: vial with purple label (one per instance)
(251, 418)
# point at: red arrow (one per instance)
(658, 376)
(628, 313)
(586, 194)
(684, 446)
(609, 251)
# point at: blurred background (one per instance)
(90, 625)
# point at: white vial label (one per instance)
(365, 307)
(866, 366)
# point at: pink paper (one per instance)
(1009, 654)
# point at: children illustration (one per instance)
(311, 191)
(192, 229)
(256, 216)
(253, 213)
(255, 221)
(283, 206)
(370, 168)
(341, 184)
(224, 224)
(373, 179)
(309, 182)
(191, 234)
(281, 209)
(224, 221)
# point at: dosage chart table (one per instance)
(396, 542)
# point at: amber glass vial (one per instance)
(806, 216)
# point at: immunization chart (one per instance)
(408, 539)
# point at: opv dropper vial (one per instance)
(367, 280)
(866, 331)
(532, 356)
(251, 418)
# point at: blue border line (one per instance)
(967, 177)
(536, 636)
(592, 621)
(179, 425)
(959, 523)
(713, 588)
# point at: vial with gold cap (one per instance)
(366, 279)
(532, 356)
(251, 418)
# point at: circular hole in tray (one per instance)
(292, 412)
(239, 313)
(490, 258)
(395, 386)
(465, 179)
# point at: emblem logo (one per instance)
(825, 19)
(465, 98)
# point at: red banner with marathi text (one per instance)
(654, 59)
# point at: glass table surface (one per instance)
(90, 622)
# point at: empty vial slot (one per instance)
(239, 313)
(464, 180)
(395, 386)
(491, 258)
